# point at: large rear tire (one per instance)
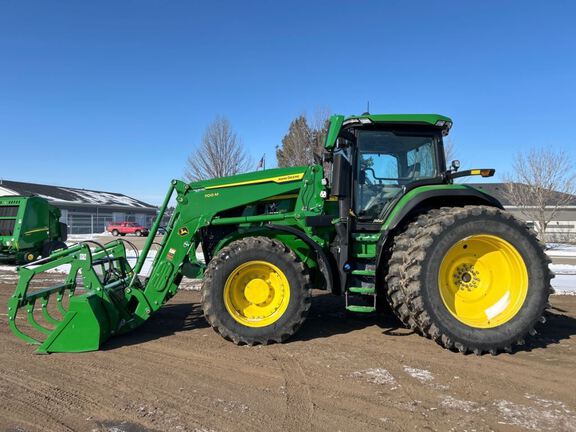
(471, 278)
(256, 291)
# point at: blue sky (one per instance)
(114, 95)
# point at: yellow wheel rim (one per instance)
(483, 281)
(256, 294)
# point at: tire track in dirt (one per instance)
(299, 406)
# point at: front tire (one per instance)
(471, 278)
(256, 291)
(115, 233)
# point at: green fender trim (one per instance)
(419, 194)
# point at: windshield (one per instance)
(387, 161)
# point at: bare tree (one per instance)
(449, 150)
(305, 138)
(220, 154)
(543, 181)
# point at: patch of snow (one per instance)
(190, 284)
(75, 238)
(462, 405)
(564, 284)
(548, 403)
(377, 376)
(8, 268)
(561, 250)
(535, 418)
(565, 269)
(421, 375)
(565, 281)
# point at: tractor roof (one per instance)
(431, 119)
(337, 121)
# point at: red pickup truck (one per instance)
(123, 228)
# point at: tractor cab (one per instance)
(385, 156)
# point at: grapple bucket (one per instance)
(99, 297)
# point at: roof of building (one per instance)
(499, 191)
(72, 196)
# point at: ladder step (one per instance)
(360, 309)
(364, 256)
(362, 290)
(364, 272)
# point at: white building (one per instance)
(83, 210)
(561, 229)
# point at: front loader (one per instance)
(387, 224)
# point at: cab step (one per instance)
(360, 309)
(364, 272)
(362, 290)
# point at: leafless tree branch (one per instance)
(542, 182)
(220, 153)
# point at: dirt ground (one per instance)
(337, 374)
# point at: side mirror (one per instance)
(455, 165)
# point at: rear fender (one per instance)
(426, 198)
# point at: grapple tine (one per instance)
(12, 314)
(45, 312)
(32, 319)
(59, 305)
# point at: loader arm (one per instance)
(113, 298)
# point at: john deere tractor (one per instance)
(387, 224)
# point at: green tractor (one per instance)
(386, 225)
(29, 228)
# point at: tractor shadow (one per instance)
(558, 327)
(328, 317)
(167, 321)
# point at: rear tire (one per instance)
(115, 233)
(516, 273)
(247, 279)
(51, 247)
(138, 233)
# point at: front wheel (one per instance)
(256, 291)
(138, 233)
(115, 233)
(472, 278)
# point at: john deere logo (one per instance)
(183, 231)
